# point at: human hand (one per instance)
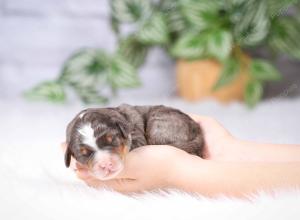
(218, 141)
(145, 168)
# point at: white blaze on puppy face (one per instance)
(101, 157)
(87, 133)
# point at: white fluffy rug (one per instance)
(34, 184)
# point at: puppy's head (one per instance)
(100, 139)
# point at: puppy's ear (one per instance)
(124, 128)
(68, 157)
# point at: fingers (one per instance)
(122, 183)
(201, 118)
(82, 173)
(63, 146)
(209, 124)
(131, 161)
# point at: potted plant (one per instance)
(208, 38)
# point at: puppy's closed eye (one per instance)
(85, 150)
(109, 138)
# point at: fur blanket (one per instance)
(35, 184)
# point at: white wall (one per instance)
(36, 36)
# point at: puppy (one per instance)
(101, 137)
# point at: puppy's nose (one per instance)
(106, 165)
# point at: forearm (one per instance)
(223, 147)
(233, 178)
(258, 152)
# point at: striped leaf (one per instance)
(47, 91)
(90, 95)
(201, 14)
(154, 30)
(229, 72)
(122, 74)
(176, 21)
(132, 50)
(219, 44)
(91, 72)
(277, 8)
(190, 46)
(284, 37)
(252, 25)
(130, 10)
(88, 67)
(253, 93)
(263, 70)
(115, 24)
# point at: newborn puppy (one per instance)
(101, 137)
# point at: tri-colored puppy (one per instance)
(101, 137)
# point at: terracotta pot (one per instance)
(195, 80)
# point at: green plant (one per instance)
(190, 29)
(90, 72)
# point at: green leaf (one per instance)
(130, 10)
(87, 73)
(115, 25)
(122, 74)
(253, 93)
(190, 46)
(91, 72)
(229, 72)
(284, 37)
(252, 24)
(154, 30)
(277, 8)
(47, 91)
(219, 44)
(263, 70)
(87, 68)
(132, 50)
(175, 19)
(90, 95)
(201, 14)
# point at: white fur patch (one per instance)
(82, 114)
(88, 135)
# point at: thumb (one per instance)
(132, 164)
(63, 146)
(121, 185)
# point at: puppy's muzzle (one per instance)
(107, 164)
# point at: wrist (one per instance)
(236, 150)
(233, 149)
(189, 173)
(224, 150)
(263, 152)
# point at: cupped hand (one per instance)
(156, 166)
(145, 168)
(218, 141)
